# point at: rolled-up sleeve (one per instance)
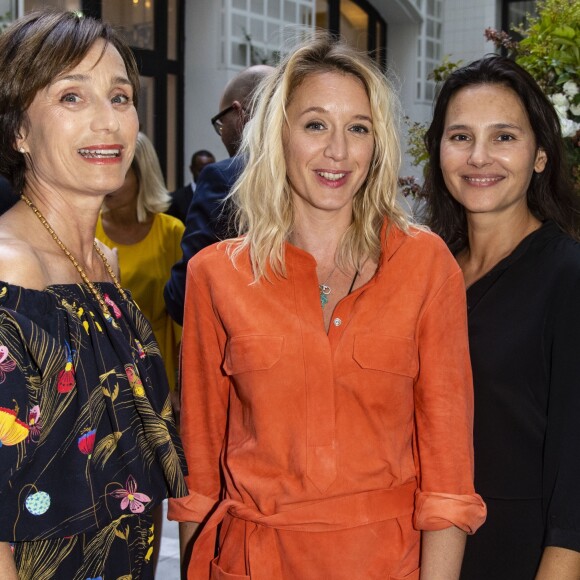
(204, 397)
(444, 415)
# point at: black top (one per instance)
(180, 202)
(524, 331)
(86, 427)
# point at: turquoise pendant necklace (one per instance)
(325, 289)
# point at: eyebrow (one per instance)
(79, 78)
(323, 110)
(459, 127)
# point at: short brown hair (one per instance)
(34, 50)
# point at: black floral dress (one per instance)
(88, 444)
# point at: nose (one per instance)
(479, 155)
(336, 146)
(105, 118)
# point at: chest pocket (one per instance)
(391, 354)
(252, 353)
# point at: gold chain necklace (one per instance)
(76, 264)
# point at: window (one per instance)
(255, 31)
(514, 13)
(429, 48)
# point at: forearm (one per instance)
(442, 554)
(559, 564)
(7, 564)
(187, 532)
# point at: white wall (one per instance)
(205, 79)
(463, 26)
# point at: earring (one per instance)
(21, 150)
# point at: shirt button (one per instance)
(337, 322)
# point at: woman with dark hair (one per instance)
(89, 446)
(497, 194)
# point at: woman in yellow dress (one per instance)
(148, 244)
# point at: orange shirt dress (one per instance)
(321, 455)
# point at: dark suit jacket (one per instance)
(208, 221)
(180, 202)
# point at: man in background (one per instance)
(208, 218)
(181, 198)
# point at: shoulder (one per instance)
(21, 265)
(558, 245)
(227, 170)
(422, 246)
(215, 261)
(170, 223)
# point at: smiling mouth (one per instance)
(100, 153)
(331, 176)
(483, 180)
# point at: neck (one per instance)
(73, 220)
(318, 236)
(491, 239)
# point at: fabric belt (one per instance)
(332, 514)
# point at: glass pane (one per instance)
(7, 12)
(378, 51)
(171, 123)
(240, 4)
(273, 33)
(146, 106)
(239, 26)
(354, 24)
(517, 12)
(274, 8)
(257, 7)
(305, 16)
(135, 20)
(239, 54)
(257, 30)
(289, 11)
(31, 5)
(322, 14)
(172, 29)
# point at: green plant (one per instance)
(550, 52)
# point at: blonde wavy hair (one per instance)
(153, 196)
(262, 196)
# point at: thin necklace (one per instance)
(76, 264)
(325, 289)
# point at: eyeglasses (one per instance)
(216, 121)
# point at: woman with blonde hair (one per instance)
(148, 244)
(327, 397)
